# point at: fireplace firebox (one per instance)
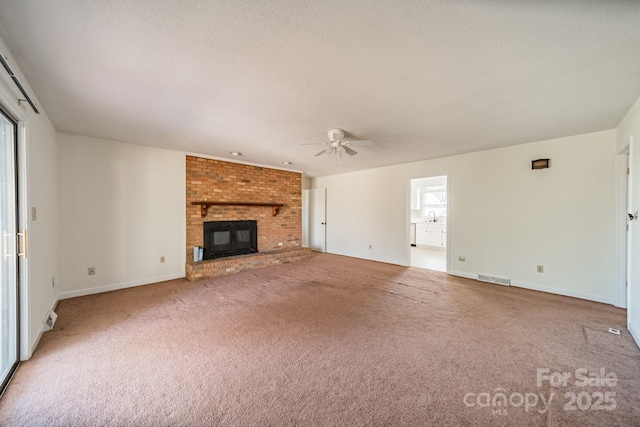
(228, 238)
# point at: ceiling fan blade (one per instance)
(349, 151)
(326, 150)
(359, 142)
(312, 143)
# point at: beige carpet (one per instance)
(326, 341)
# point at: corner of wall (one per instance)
(121, 212)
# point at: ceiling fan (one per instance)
(338, 145)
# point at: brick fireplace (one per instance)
(279, 228)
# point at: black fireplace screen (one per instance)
(227, 238)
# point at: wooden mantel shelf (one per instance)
(204, 206)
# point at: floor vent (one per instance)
(50, 320)
(496, 280)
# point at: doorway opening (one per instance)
(428, 207)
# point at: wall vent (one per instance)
(496, 280)
(50, 320)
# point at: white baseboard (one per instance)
(635, 333)
(36, 341)
(116, 286)
(564, 292)
(556, 291)
(463, 274)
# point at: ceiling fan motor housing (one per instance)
(336, 135)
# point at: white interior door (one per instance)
(318, 219)
(627, 260)
(8, 248)
(305, 218)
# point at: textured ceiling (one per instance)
(423, 79)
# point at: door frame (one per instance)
(14, 258)
(10, 103)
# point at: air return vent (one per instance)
(496, 280)
(50, 320)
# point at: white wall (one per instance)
(122, 207)
(306, 182)
(43, 232)
(38, 175)
(503, 217)
(629, 130)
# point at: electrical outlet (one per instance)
(540, 269)
(162, 259)
(55, 281)
(614, 331)
(461, 258)
(91, 271)
(370, 246)
(280, 243)
(34, 213)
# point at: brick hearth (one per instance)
(235, 264)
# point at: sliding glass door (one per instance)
(9, 250)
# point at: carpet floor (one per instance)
(329, 341)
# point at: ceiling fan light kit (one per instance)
(338, 145)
